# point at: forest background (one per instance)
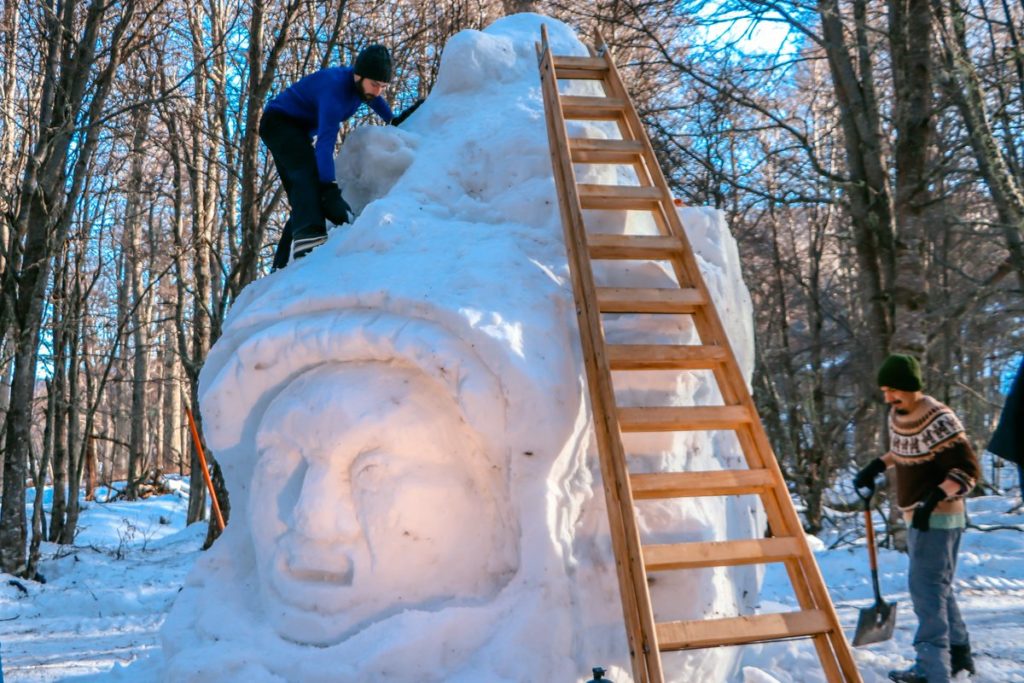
(869, 158)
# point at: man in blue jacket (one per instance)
(316, 106)
(1008, 439)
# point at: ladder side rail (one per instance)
(625, 534)
(808, 582)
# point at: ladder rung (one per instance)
(648, 300)
(658, 357)
(652, 247)
(592, 108)
(682, 418)
(757, 628)
(618, 197)
(592, 68)
(598, 151)
(719, 553)
(697, 484)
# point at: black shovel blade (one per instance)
(875, 624)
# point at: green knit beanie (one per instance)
(900, 372)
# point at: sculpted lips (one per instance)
(321, 575)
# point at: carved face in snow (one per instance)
(372, 495)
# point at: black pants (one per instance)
(293, 154)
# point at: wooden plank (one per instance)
(618, 197)
(700, 484)
(664, 357)
(648, 300)
(757, 628)
(642, 247)
(670, 556)
(682, 418)
(590, 68)
(599, 151)
(569, 74)
(592, 108)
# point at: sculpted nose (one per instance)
(324, 510)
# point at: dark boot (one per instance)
(911, 675)
(960, 659)
(284, 248)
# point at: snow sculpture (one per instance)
(402, 423)
(372, 442)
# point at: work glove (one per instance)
(923, 511)
(336, 209)
(397, 121)
(865, 479)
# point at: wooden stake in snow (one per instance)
(206, 470)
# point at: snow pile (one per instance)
(402, 423)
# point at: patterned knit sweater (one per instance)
(928, 445)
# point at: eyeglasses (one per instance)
(380, 85)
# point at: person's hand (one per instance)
(865, 479)
(923, 511)
(397, 121)
(336, 209)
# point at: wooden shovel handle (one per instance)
(872, 552)
(206, 470)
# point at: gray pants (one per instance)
(939, 625)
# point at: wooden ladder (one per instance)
(816, 618)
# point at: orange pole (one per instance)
(206, 470)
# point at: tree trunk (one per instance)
(38, 516)
(61, 414)
(910, 40)
(78, 445)
(870, 202)
(9, 23)
(962, 85)
(133, 266)
(171, 413)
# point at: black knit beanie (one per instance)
(900, 372)
(374, 62)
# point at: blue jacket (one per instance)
(1008, 439)
(320, 102)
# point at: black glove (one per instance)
(397, 121)
(336, 209)
(865, 479)
(923, 511)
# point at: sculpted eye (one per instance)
(369, 470)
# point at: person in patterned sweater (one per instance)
(934, 468)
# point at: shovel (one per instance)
(875, 623)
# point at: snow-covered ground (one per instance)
(105, 597)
